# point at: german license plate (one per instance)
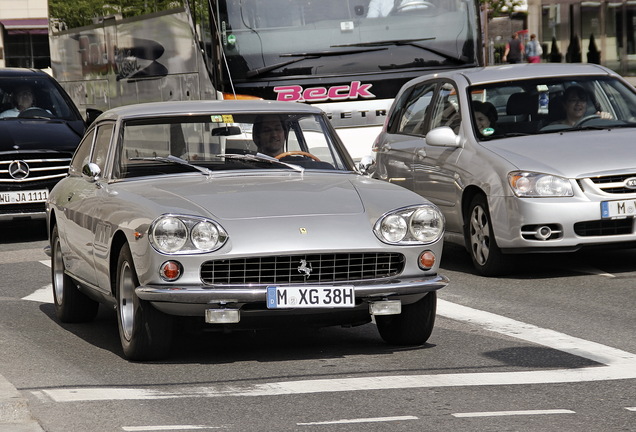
(24, 197)
(618, 209)
(310, 297)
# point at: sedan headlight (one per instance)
(532, 184)
(411, 225)
(178, 234)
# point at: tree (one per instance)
(78, 13)
(500, 7)
(593, 54)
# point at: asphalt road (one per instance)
(549, 348)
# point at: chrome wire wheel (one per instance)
(479, 235)
(126, 300)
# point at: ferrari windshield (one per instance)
(544, 105)
(217, 142)
(305, 37)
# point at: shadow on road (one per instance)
(22, 231)
(614, 261)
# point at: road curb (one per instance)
(14, 410)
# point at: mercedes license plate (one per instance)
(24, 197)
(618, 209)
(310, 297)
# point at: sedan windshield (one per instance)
(227, 142)
(548, 105)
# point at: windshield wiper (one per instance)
(260, 157)
(170, 159)
(305, 56)
(410, 42)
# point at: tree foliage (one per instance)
(77, 13)
(498, 8)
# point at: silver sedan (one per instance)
(238, 215)
(519, 158)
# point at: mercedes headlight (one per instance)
(534, 185)
(177, 234)
(411, 225)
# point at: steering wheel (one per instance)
(35, 112)
(587, 118)
(297, 153)
(423, 4)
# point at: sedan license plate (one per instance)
(310, 297)
(618, 209)
(24, 197)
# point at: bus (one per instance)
(349, 57)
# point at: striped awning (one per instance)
(26, 25)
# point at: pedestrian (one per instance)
(514, 50)
(533, 50)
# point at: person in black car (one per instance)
(23, 98)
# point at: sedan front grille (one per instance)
(303, 269)
(604, 227)
(18, 169)
(614, 184)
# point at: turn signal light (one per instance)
(170, 271)
(427, 260)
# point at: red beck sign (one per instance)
(296, 93)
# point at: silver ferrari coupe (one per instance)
(238, 214)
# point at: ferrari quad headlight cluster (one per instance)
(177, 234)
(411, 225)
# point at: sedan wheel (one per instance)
(145, 333)
(480, 240)
(71, 305)
(411, 327)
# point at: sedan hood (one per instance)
(30, 134)
(570, 154)
(245, 197)
(235, 197)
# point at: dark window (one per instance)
(27, 50)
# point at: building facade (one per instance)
(606, 26)
(24, 34)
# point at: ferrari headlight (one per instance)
(532, 184)
(411, 225)
(393, 228)
(169, 234)
(205, 235)
(179, 234)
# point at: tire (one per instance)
(71, 305)
(413, 326)
(480, 240)
(144, 332)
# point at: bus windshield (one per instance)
(280, 38)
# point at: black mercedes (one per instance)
(40, 128)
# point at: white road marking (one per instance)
(630, 408)
(167, 428)
(614, 364)
(513, 413)
(42, 295)
(360, 420)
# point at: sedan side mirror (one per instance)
(91, 172)
(442, 136)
